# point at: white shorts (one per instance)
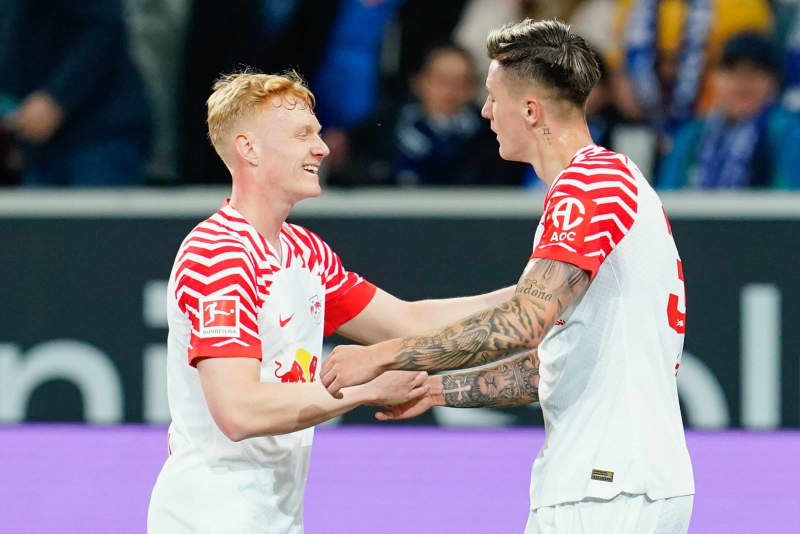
(624, 514)
(191, 498)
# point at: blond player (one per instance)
(595, 329)
(250, 298)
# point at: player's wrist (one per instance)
(385, 356)
(368, 394)
(361, 394)
(436, 391)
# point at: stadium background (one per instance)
(82, 326)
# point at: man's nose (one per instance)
(486, 110)
(321, 149)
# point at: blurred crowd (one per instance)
(700, 93)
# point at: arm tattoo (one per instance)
(545, 290)
(510, 382)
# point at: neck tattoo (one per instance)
(547, 133)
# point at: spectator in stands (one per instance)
(589, 18)
(602, 114)
(436, 137)
(748, 140)
(79, 111)
(787, 37)
(269, 35)
(347, 80)
(157, 43)
(667, 48)
(423, 25)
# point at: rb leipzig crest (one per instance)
(315, 308)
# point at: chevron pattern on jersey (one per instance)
(589, 209)
(224, 256)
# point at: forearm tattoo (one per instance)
(510, 382)
(545, 290)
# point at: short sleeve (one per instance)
(346, 302)
(215, 287)
(586, 215)
(346, 293)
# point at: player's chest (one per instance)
(293, 305)
(291, 326)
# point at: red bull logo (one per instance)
(303, 369)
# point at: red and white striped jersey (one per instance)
(232, 295)
(607, 386)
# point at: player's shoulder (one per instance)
(218, 228)
(598, 189)
(600, 175)
(222, 235)
(306, 241)
(595, 168)
(598, 156)
(296, 230)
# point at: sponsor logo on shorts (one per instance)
(602, 476)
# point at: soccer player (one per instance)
(250, 298)
(595, 329)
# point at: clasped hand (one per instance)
(349, 365)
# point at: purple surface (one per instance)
(63, 478)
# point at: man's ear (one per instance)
(532, 112)
(245, 149)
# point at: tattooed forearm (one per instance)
(481, 338)
(545, 290)
(510, 382)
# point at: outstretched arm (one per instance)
(545, 290)
(512, 381)
(387, 316)
(243, 406)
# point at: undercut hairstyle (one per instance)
(238, 94)
(547, 53)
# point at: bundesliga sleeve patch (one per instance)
(219, 317)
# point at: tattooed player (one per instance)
(595, 329)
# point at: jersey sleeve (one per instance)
(346, 293)
(587, 214)
(215, 287)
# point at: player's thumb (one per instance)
(383, 416)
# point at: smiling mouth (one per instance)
(313, 169)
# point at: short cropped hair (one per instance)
(237, 94)
(547, 53)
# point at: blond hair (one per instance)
(238, 94)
